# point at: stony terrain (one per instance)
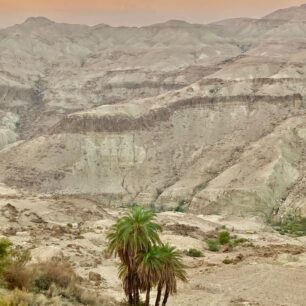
(205, 119)
(268, 270)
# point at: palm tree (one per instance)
(172, 269)
(131, 235)
(149, 270)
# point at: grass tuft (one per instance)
(194, 253)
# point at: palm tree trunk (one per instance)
(159, 293)
(166, 296)
(130, 288)
(130, 299)
(147, 303)
(136, 291)
(137, 300)
(135, 303)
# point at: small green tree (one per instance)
(145, 261)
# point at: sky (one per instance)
(136, 12)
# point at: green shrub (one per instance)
(294, 226)
(194, 253)
(5, 246)
(224, 237)
(180, 206)
(213, 245)
(179, 209)
(42, 283)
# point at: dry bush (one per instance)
(17, 274)
(56, 271)
(48, 283)
(89, 298)
(21, 298)
(82, 296)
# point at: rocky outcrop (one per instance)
(7, 137)
(8, 125)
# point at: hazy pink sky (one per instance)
(136, 12)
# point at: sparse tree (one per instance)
(145, 261)
(130, 236)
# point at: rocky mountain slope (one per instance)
(209, 118)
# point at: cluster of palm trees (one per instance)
(145, 261)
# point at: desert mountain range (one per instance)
(205, 124)
(210, 117)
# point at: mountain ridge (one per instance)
(176, 22)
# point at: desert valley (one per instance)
(204, 124)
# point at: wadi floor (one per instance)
(270, 269)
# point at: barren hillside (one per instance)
(209, 117)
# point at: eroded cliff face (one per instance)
(209, 118)
(207, 151)
(48, 70)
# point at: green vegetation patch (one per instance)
(213, 245)
(224, 237)
(293, 226)
(181, 206)
(194, 253)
